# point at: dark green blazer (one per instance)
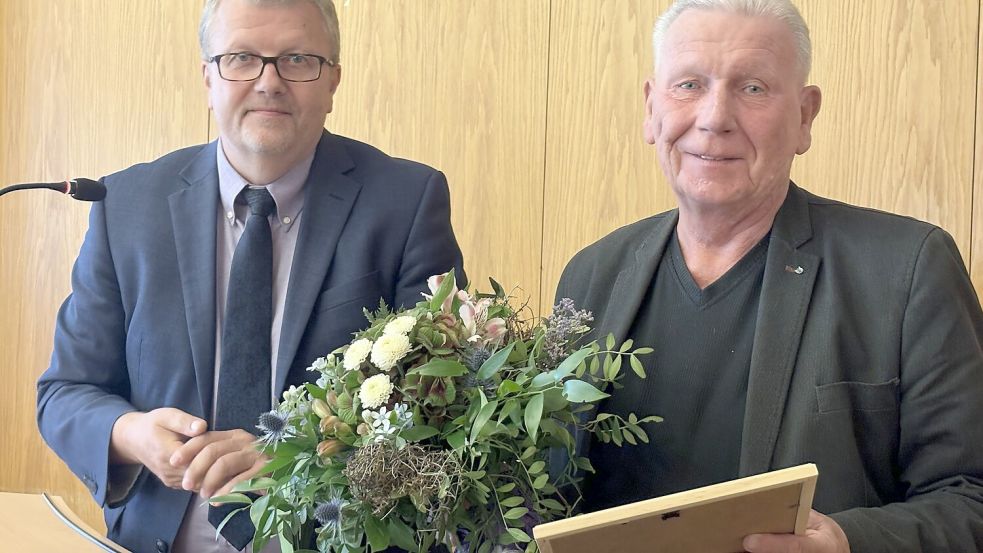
(867, 360)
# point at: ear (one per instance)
(207, 79)
(334, 77)
(810, 100)
(648, 125)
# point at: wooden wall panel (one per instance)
(533, 109)
(600, 174)
(460, 86)
(896, 131)
(88, 87)
(897, 127)
(976, 259)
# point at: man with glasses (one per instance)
(210, 279)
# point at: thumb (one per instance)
(768, 543)
(179, 422)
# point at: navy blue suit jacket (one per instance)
(138, 330)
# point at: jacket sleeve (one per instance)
(83, 391)
(431, 247)
(939, 461)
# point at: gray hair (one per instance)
(326, 8)
(783, 10)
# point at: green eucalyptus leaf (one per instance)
(506, 488)
(519, 535)
(532, 415)
(636, 365)
(262, 483)
(553, 504)
(629, 437)
(513, 501)
(376, 533)
(315, 391)
(418, 433)
(571, 363)
(440, 367)
(400, 534)
(537, 467)
(232, 498)
(578, 391)
(443, 291)
(484, 415)
(515, 513)
(542, 380)
(640, 432)
(495, 362)
(457, 440)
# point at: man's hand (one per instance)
(216, 461)
(150, 439)
(822, 535)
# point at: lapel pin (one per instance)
(797, 269)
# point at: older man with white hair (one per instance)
(787, 328)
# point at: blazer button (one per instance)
(90, 484)
(161, 546)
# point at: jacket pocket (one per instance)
(858, 396)
(364, 289)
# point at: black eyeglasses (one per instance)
(297, 68)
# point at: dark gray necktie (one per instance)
(244, 377)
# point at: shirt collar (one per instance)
(287, 191)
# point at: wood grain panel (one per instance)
(897, 127)
(460, 86)
(896, 131)
(600, 174)
(976, 257)
(88, 87)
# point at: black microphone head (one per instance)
(87, 190)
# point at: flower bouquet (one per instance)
(434, 426)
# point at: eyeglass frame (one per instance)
(270, 60)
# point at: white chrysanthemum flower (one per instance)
(356, 353)
(390, 349)
(375, 391)
(399, 325)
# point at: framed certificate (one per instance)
(713, 519)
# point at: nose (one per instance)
(269, 80)
(716, 113)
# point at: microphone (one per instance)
(86, 190)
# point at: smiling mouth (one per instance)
(713, 158)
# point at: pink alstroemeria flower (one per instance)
(474, 315)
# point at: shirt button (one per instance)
(161, 546)
(230, 215)
(286, 220)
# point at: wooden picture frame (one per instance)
(712, 519)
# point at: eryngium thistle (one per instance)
(475, 357)
(273, 425)
(328, 513)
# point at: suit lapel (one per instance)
(634, 281)
(328, 199)
(193, 212)
(785, 294)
